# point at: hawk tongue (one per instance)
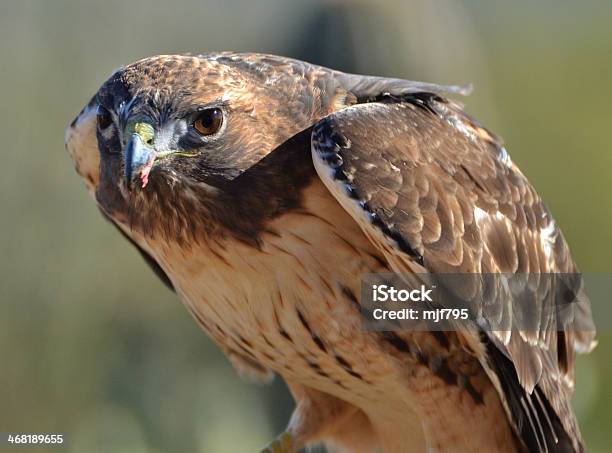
(144, 173)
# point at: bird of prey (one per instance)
(261, 188)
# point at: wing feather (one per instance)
(436, 192)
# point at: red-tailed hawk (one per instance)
(262, 188)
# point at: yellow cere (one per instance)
(145, 131)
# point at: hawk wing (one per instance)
(436, 192)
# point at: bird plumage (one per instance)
(316, 178)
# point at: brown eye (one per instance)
(209, 121)
(103, 117)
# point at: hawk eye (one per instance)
(208, 121)
(103, 117)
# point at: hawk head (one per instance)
(169, 133)
(167, 142)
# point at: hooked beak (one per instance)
(139, 155)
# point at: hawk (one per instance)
(261, 188)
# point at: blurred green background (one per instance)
(93, 346)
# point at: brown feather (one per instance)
(464, 175)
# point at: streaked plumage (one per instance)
(314, 178)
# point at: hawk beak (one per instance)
(139, 155)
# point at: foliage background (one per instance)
(92, 345)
